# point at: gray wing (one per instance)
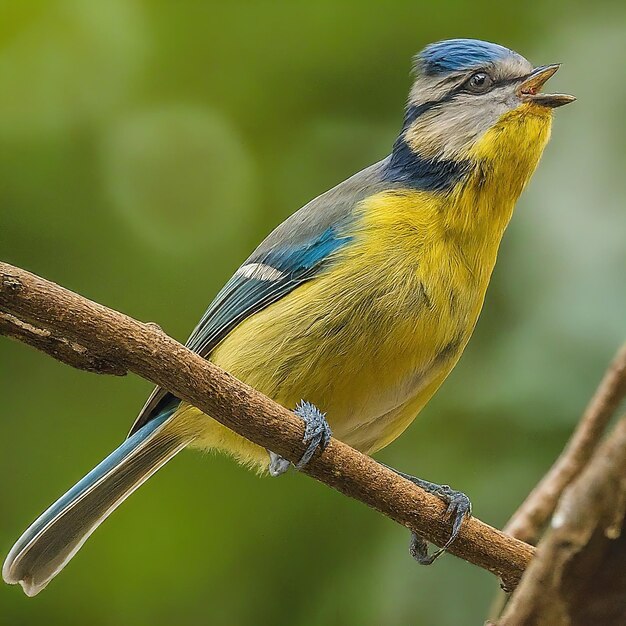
(296, 251)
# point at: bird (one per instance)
(355, 309)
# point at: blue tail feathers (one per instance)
(51, 541)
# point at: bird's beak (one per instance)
(529, 89)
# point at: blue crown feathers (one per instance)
(456, 55)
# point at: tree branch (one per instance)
(68, 352)
(578, 576)
(145, 350)
(530, 519)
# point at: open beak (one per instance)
(530, 89)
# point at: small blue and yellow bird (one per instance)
(361, 302)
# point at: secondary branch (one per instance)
(532, 516)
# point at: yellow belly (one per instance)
(369, 341)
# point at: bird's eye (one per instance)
(480, 82)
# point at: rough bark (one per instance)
(578, 577)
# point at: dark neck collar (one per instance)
(427, 174)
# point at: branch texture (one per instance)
(578, 576)
(145, 350)
(68, 352)
(532, 516)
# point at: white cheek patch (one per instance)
(450, 131)
(260, 271)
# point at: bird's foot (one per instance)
(317, 434)
(278, 464)
(459, 507)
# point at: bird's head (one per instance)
(477, 100)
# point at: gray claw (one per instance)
(317, 432)
(278, 465)
(459, 507)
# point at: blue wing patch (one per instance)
(258, 283)
(263, 279)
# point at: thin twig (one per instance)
(145, 350)
(530, 519)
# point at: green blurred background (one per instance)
(145, 149)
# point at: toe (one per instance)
(316, 430)
(278, 465)
(309, 452)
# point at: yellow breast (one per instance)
(371, 339)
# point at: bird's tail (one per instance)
(55, 537)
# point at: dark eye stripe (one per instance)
(416, 110)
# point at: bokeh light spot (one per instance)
(68, 63)
(180, 177)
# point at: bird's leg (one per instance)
(459, 507)
(316, 433)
